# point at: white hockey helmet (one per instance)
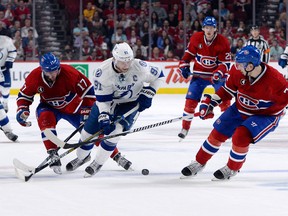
(122, 52)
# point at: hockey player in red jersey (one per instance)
(211, 54)
(261, 95)
(65, 93)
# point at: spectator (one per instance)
(138, 55)
(275, 50)
(119, 36)
(170, 56)
(224, 11)
(77, 30)
(15, 27)
(4, 30)
(104, 52)
(132, 39)
(162, 13)
(157, 55)
(9, 13)
(155, 22)
(17, 41)
(124, 21)
(68, 53)
(129, 11)
(168, 46)
(88, 12)
(234, 49)
(161, 38)
(139, 46)
(26, 27)
(80, 39)
(28, 51)
(22, 12)
(86, 49)
(4, 20)
(26, 40)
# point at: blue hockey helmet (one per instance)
(248, 54)
(209, 21)
(49, 62)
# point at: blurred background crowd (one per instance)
(155, 29)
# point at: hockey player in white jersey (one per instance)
(120, 83)
(7, 57)
(8, 54)
(283, 61)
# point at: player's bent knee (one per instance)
(190, 105)
(241, 138)
(216, 138)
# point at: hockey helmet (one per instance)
(209, 21)
(248, 54)
(122, 52)
(49, 62)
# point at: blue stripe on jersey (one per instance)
(108, 146)
(237, 156)
(161, 74)
(104, 98)
(207, 147)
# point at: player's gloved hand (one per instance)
(207, 105)
(105, 123)
(84, 112)
(216, 77)
(282, 62)
(21, 116)
(184, 68)
(145, 98)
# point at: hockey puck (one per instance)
(145, 172)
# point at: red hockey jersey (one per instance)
(69, 92)
(266, 95)
(208, 56)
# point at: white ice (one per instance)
(261, 188)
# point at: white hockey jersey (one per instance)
(8, 51)
(113, 88)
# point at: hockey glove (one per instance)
(184, 68)
(105, 123)
(21, 116)
(207, 105)
(145, 98)
(282, 62)
(216, 77)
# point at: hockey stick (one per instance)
(24, 168)
(67, 145)
(18, 165)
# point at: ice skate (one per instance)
(56, 165)
(11, 136)
(122, 161)
(183, 133)
(225, 173)
(92, 169)
(192, 169)
(74, 164)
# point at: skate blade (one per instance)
(87, 175)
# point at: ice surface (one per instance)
(261, 188)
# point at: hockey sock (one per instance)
(189, 110)
(241, 140)
(116, 151)
(210, 146)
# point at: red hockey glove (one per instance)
(216, 77)
(206, 107)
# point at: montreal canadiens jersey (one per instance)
(112, 88)
(208, 56)
(68, 93)
(266, 95)
(8, 51)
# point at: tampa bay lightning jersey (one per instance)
(8, 51)
(113, 88)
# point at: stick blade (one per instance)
(53, 138)
(22, 171)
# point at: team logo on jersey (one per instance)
(40, 89)
(207, 61)
(243, 81)
(62, 101)
(98, 72)
(200, 46)
(252, 103)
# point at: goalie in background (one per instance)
(261, 95)
(120, 83)
(65, 93)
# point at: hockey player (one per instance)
(283, 58)
(259, 42)
(65, 93)
(211, 54)
(261, 94)
(8, 54)
(119, 87)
